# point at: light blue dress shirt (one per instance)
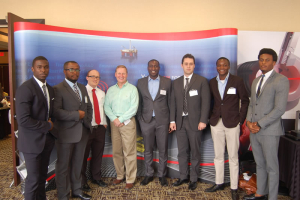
(71, 85)
(153, 86)
(222, 85)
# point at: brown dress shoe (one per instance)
(117, 181)
(128, 186)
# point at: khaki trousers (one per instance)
(124, 150)
(222, 135)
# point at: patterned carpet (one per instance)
(153, 191)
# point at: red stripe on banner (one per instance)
(193, 35)
(169, 161)
(294, 79)
(142, 158)
(51, 177)
(1, 53)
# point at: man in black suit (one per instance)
(73, 113)
(153, 115)
(34, 108)
(227, 91)
(190, 104)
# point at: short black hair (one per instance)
(66, 63)
(38, 58)
(153, 60)
(224, 59)
(188, 56)
(268, 51)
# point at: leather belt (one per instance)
(95, 127)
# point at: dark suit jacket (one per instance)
(160, 105)
(32, 114)
(66, 106)
(198, 105)
(229, 107)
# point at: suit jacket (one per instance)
(229, 106)
(270, 105)
(32, 116)
(66, 106)
(160, 105)
(198, 105)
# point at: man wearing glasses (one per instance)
(97, 138)
(73, 114)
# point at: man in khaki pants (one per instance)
(121, 104)
(227, 90)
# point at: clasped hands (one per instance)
(253, 127)
(117, 123)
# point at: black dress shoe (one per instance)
(234, 194)
(252, 196)
(147, 180)
(193, 185)
(163, 181)
(85, 187)
(100, 183)
(82, 196)
(180, 182)
(215, 187)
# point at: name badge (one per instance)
(231, 90)
(86, 99)
(193, 93)
(126, 122)
(163, 92)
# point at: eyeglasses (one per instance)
(95, 77)
(73, 70)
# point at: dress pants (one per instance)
(265, 151)
(188, 140)
(37, 169)
(155, 132)
(69, 165)
(95, 143)
(124, 150)
(230, 137)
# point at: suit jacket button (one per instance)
(255, 114)
(221, 104)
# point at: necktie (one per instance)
(76, 92)
(185, 109)
(259, 86)
(96, 108)
(46, 96)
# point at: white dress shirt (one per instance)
(267, 75)
(101, 97)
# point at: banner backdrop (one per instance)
(104, 51)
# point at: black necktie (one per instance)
(259, 86)
(46, 96)
(185, 109)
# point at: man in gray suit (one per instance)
(190, 105)
(73, 113)
(269, 93)
(153, 115)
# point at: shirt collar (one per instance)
(90, 88)
(71, 83)
(268, 74)
(157, 78)
(40, 82)
(226, 78)
(123, 85)
(190, 76)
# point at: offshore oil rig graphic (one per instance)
(129, 53)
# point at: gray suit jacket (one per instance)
(198, 105)
(66, 106)
(270, 105)
(160, 105)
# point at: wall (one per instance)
(160, 15)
